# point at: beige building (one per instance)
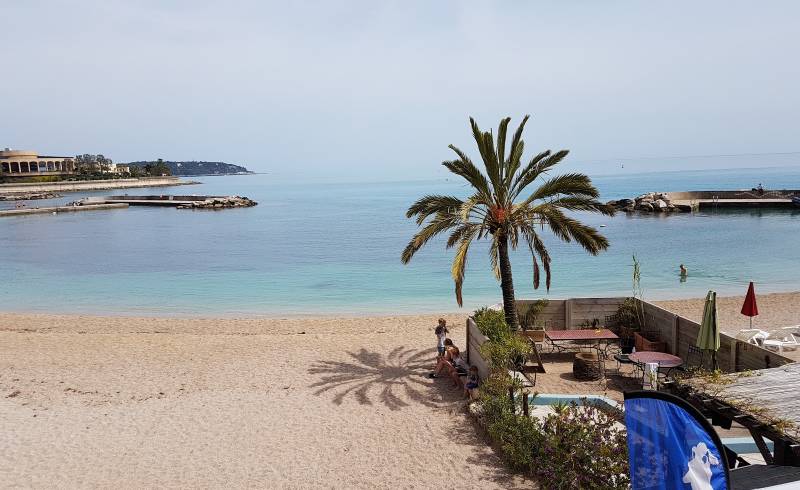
(25, 163)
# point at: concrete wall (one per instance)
(742, 194)
(568, 314)
(87, 185)
(734, 355)
(474, 341)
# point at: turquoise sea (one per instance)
(335, 248)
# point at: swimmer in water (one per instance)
(684, 272)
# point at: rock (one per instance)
(626, 202)
(645, 207)
(612, 203)
(629, 208)
(220, 203)
(649, 196)
(684, 208)
(660, 205)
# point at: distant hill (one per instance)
(199, 168)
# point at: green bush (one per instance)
(505, 349)
(528, 313)
(581, 447)
(575, 447)
(491, 323)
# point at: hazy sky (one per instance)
(377, 90)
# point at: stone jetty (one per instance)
(220, 203)
(29, 196)
(180, 202)
(651, 202)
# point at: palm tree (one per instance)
(498, 210)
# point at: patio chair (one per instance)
(694, 358)
(642, 343)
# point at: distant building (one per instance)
(122, 168)
(25, 163)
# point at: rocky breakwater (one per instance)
(29, 196)
(652, 202)
(220, 203)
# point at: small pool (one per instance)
(580, 400)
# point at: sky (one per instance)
(377, 90)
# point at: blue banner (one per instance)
(671, 446)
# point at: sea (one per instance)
(334, 248)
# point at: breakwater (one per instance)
(181, 202)
(668, 202)
(90, 185)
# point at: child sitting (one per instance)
(471, 386)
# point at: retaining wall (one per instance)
(89, 185)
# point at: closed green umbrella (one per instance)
(708, 336)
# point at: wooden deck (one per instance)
(765, 401)
(776, 390)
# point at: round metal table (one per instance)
(664, 360)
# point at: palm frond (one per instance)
(502, 130)
(431, 204)
(537, 167)
(584, 204)
(439, 224)
(460, 264)
(460, 232)
(568, 229)
(485, 144)
(568, 185)
(528, 174)
(494, 257)
(464, 167)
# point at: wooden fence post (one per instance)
(468, 349)
(674, 337)
(525, 409)
(568, 314)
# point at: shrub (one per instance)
(491, 323)
(505, 349)
(529, 313)
(581, 447)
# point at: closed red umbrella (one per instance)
(750, 308)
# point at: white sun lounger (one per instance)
(785, 338)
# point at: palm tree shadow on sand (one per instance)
(398, 378)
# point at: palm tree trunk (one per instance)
(507, 284)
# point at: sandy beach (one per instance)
(316, 402)
(776, 310)
(282, 403)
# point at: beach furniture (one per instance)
(785, 338)
(708, 335)
(661, 359)
(754, 336)
(642, 343)
(596, 339)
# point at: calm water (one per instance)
(335, 248)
